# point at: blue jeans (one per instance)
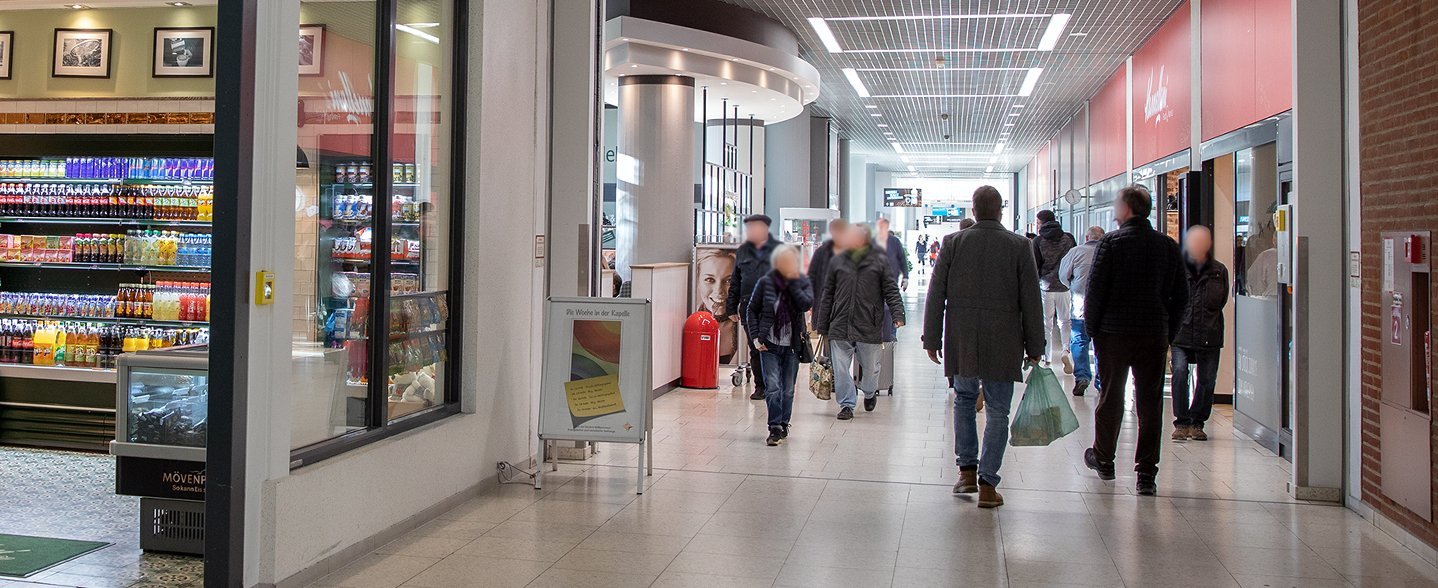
(1196, 413)
(1079, 346)
(781, 368)
(997, 398)
(843, 353)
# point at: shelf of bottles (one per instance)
(132, 234)
(348, 253)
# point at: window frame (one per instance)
(378, 426)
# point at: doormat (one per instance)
(22, 556)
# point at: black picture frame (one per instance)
(159, 68)
(103, 55)
(7, 53)
(316, 66)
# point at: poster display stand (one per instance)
(597, 382)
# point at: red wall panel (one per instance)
(1247, 55)
(1108, 129)
(1273, 80)
(1162, 71)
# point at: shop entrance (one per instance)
(1245, 200)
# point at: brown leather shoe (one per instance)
(1196, 433)
(989, 497)
(968, 482)
(1181, 433)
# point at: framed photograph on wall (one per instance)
(7, 49)
(81, 53)
(312, 50)
(184, 52)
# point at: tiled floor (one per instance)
(72, 496)
(868, 503)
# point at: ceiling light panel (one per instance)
(1019, 32)
(1072, 72)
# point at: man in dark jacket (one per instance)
(983, 318)
(859, 288)
(1137, 290)
(819, 263)
(751, 262)
(1050, 247)
(1200, 337)
(898, 262)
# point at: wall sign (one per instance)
(1162, 70)
(596, 384)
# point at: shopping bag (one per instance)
(821, 372)
(1044, 414)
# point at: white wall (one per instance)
(321, 510)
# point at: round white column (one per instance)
(654, 205)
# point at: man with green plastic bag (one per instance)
(984, 316)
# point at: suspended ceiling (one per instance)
(989, 48)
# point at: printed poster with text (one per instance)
(593, 387)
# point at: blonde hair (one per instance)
(781, 250)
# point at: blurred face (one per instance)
(853, 238)
(883, 228)
(1121, 212)
(756, 232)
(787, 264)
(1198, 243)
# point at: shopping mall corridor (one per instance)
(867, 503)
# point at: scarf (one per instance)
(859, 254)
(782, 314)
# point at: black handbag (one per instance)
(805, 348)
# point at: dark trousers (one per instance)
(1194, 412)
(1144, 355)
(755, 367)
(780, 368)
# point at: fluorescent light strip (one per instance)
(989, 170)
(857, 83)
(944, 50)
(897, 147)
(941, 68)
(945, 96)
(1054, 32)
(826, 35)
(913, 169)
(998, 148)
(944, 16)
(418, 33)
(1031, 81)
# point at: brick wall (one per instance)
(1398, 89)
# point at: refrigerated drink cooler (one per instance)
(161, 425)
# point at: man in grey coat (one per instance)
(984, 317)
(1073, 272)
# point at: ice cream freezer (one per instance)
(161, 425)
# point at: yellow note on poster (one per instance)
(594, 397)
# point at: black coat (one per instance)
(1137, 284)
(898, 257)
(750, 264)
(819, 264)
(1202, 326)
(1050, 247)
(855, 295)
(759, 316)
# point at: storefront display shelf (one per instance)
(139, 222)
(128, 181)
(371, 184)
(190, 269)
(365, 222)
(57, 373)
(129, 322)
(367, 262)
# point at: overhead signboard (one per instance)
(903, 197)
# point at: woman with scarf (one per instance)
(776, 322)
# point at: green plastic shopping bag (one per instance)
(1044, 414)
